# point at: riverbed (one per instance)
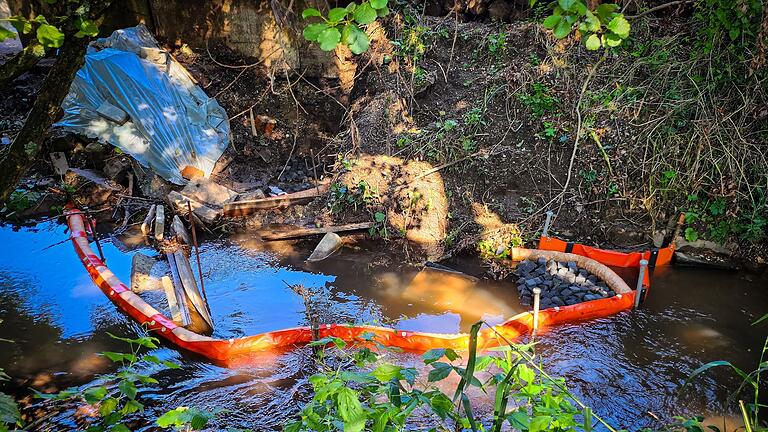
(629, 367)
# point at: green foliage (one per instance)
(539, 99)
(358, 196)
(733, 23)
(115, 396)
(50, 34)
(185, 419)
(602, 27)
(713, 218)
(343, 25)
(496, 43)
(362, 390)
(9, 409)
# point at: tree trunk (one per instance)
(21, 62)
(23, 152)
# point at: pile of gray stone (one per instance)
(561, 283)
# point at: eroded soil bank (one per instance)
(449, 135)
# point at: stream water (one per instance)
(629, 367)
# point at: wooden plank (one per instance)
(305, 232)
(180, 231)
(191, 290)
(243, 208)
(146, 225)
(159, 222)
(173, 303)
(178, 292)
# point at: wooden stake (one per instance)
(92, 224)
(197, 254)
(314, 170)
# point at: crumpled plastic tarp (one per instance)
(171, 123)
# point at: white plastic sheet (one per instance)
(171, 123)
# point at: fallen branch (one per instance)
(658, 8)
(306, 232)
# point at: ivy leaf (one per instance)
(310, 12)
(355, 39)
(378, 4)
(337, 14)
(379, 217)
(364, 14)
(312, 31)
(562, 29)
(593, 42)
(382, 12)
(620, 26)
(551, 21)
(50, 36)
(329, 38)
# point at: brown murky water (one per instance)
(628, 367)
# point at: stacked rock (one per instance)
(561, 283)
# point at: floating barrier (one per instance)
(239, 351)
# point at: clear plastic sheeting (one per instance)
(171, 123)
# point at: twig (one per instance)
(658, 8)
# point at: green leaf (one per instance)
(355, 39)
(131, 407)
(591, 22)
(350, 408)
(21, 24)
(382, 12)
(86, 28)
(691, 234)
(551, 21)
(94, 394)
(593, 42)
(199, 422)
(127, 388)
(562, 29)
(337, 14)
(120, 428)
(310, 12)
(329, 38)
(433, 355)
(378, 4)
(379, 217)
(605, 11)
(107, 406)
(50, 36)
(734, 33)
(386, 372)
(539, 423)
(6, 34)
(439, 371)
(761, 319)
(172, 418)
(312, 31)
(567, 4)
(468, 375)
(9, 410)
(620, 26)
(745, 377)
(364, 14)
(611, 40)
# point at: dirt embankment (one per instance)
(451, 132)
